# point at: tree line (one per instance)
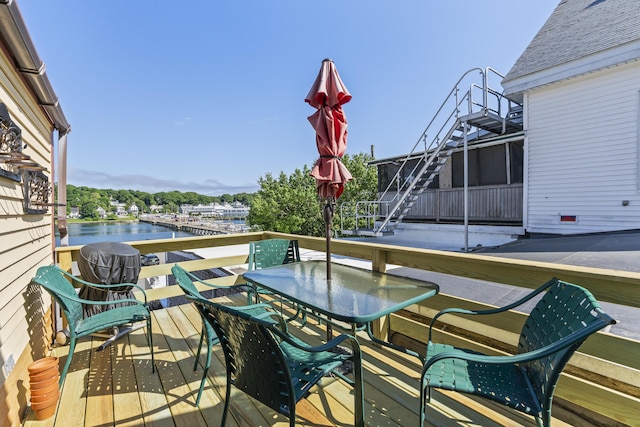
(286, 203)
(88, 200)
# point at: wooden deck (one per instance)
(116, 387)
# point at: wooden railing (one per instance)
(602, 382)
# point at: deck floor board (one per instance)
(126, 400)
(116, 387)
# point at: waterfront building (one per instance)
(155, 208)
(216, 210)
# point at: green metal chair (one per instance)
(270, 253)
(564, 317)
(58, 283)
(267, 363)
(186, 280)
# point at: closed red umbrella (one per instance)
(328, 94)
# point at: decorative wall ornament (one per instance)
(16, 165)
(12, 159)
(37, 192)
(10, 138)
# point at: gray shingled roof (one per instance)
(578, 28)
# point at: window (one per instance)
(489, 165)
(516, 161)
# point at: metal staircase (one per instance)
(473, 113)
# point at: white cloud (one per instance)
(183, 121)
(149, 184)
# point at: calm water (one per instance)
(83, 234)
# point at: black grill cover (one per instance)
(107, 263)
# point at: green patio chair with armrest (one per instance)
(271, 253)
(564, 317)
(186, 280)
(58, 283)
(286, 368)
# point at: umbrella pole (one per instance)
(328, 216)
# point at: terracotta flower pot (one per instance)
(35, 385)
(47, 389)
(46, 408)
(43, 398)
(42, 364)
(46, 413)
(43, 379)
(44, 375)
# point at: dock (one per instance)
(196, 226)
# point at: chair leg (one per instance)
(358, 385)
(195, 365)
(67, 363)
(252, 296)
(226, 400)
(203, 381)
(150, 342)
(544, 420)
(303, 320)
(292, 417)
(423, 400)
(206, 369)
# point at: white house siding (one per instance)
(582, 142)
(26, 241)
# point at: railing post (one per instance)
(466, 188)
(485, 82)
(65, 260)
(380, 327)
(379, 261)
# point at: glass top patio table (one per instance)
(353, 295)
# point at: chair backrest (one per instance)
(185, 281)
(272, 252)
(54, 281)
(565, 316)
(255, 363)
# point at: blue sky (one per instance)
(208, 96)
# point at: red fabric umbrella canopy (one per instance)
(328, 94)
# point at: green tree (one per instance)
(365, 178)
(227, 198)
(79, 196)
(290, 204)
(364, 186)
(172, 207)
(88, 210)
(244, 198)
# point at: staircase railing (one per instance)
(420, 167)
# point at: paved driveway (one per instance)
(618, 251)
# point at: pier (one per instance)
(197, 226)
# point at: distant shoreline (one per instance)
(98, 221)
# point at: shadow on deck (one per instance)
(116, 387)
